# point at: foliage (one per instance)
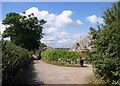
(25, 31)
(0, 63)
(42, 45)
(14, 59)
(54, 55)
(92, 79)
(107, 40)
(42, 48)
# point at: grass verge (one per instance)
(63, 64)
(95, 80)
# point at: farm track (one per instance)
(37, 72)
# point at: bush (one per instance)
(108, 69)
(14, 59)
(54, 55)
(106, 60)
(0, 60)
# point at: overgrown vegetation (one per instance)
(14, 58)
(61, 56)
(95, 80)
(106, 60)
(24, 31)
(0, 61)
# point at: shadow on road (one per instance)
(85, 66)
(29, 75)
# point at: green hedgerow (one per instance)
(14, 59)
(54, 55)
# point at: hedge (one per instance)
(0, 64)
(14, 59)
(54, 55)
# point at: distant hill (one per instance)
(49, 48)
(63, 48)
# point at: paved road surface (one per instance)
(38, 71)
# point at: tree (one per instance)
(106, 59)
(42, 45)
(25, 31)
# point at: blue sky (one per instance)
(77, 18)
(82, 8)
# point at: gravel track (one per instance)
(38, 72)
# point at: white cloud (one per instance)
(57, 39)
(101, 20)
(78, 22)
(63, 19)
(55, 34)
(51, 30)
(54, 20)
(2, 27)
(94, 19)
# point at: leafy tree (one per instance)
(42, 45)
(25, 31)
(106, 59)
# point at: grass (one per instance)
(61, 64)
(95, 80)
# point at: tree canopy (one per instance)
(25, 31)
(107, 40)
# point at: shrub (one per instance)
(54, 55)
(14, 59)
(0, 65)
(106, 60)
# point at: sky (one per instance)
(66, 21)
